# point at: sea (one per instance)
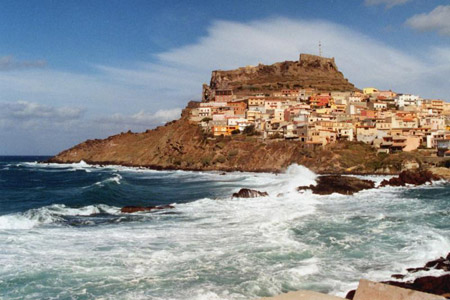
(62, 235)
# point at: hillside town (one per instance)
(389, 121)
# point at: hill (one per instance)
(182, 145)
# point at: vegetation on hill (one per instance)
(182, 145)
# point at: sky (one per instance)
(87, 69)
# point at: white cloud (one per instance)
(388, 3)
(365, 61)
(8, 63)
(25, 110)
(438, 19)
(112, 95)
(142, 118)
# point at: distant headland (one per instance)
(266, 117)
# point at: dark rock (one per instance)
(415, 270)
(345, 185)
(428, 284)
(350, 295)
(410, 177)
(133, 209)
(440, 264)
(248, 193)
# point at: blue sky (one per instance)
(72, 70)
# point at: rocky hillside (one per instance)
(309, 72)
(182, 145)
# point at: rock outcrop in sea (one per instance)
(438, 285)
(134, 209)
(411, 177)
(345, 185)
(248, 193)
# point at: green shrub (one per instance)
(221, 159)
(206, 160)
(445, 163)
(220, 145)
(233, 152)
(276, 135)
(249, 130)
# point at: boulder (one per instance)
(248, 193)
(410, 177)
(303, 295)
(440, 263)
(345, 185)
(429, 284)
(439, 285)
(380, 291)
(133, 209)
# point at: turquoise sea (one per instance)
(62, 235)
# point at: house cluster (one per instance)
(389, 121)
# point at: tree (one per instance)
(249, 130)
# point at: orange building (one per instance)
(239, 107)
(224, 130)
(318, 101)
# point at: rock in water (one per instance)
(133, 209)
(429, 284)
(345, 185)
(248, 193)
(410, 177)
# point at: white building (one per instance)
(403, 100)
(236, 121)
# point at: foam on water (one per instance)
(51, 214)
(219, 248)
(115, 179)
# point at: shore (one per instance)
(441, 172)
(425, 286)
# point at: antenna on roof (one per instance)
(320, 48)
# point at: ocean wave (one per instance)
(217, 247)
(52, 214)
(115, 179)
(82, 165)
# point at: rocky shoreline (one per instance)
(436, 173)
(438, 285)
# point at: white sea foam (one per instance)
(16, 222)
(50, 214)
(115, 178)
(225, 248)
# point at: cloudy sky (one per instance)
(73, 70)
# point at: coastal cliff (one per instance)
(182, 145)
(187, 144)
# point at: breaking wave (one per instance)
(211, 246)
(52, 214)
